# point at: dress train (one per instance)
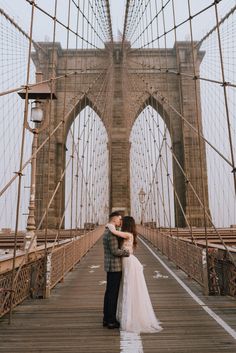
(134, 309)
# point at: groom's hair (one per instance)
(114, 214)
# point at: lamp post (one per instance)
(141, 196)
(106, 212)
(40, 93)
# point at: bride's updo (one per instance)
(128, 225)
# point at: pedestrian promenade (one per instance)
(70, 321)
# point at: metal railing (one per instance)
(40, 272)
(191, 258)
(188, 257)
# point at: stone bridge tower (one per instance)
(123, 106)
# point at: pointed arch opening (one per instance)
(151, 168)
(86, 182)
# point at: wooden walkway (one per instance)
(70, 320)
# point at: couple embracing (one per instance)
(127, 304)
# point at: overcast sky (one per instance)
(20, 10)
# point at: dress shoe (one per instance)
(113, 325)
(104, 323)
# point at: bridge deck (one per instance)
(70, 320)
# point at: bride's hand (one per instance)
(127, 235)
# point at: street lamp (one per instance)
(36, 111)
(40, 93)
(106, 212)
(141, 197)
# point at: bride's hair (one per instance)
(128, 225)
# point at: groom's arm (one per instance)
(114, 248)
(113, 230)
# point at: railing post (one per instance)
(157, 238)
(205, 273)
(188, 263)
(64, 264)
(74, 255)
(168, 246)
(48, 275)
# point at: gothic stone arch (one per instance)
(122, 104)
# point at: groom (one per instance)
(113, 267)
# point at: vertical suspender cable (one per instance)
(21, 160)
(225, 96)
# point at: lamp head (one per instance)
(36, 111)
(141, 196)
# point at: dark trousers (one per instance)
(111, 296)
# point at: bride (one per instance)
(134, 309)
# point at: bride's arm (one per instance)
(112, 229)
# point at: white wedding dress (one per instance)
(134, 309)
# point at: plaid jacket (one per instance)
(112, 253)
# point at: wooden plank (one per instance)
(70, 320)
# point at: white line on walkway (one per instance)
(216, 317)
(130, 342)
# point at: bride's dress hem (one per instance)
(134, 309)
(143, 331)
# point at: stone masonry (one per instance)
(135, 79)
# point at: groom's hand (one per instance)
(126, 253)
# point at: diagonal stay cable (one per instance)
(155, 92)
(32, 240)
(177, 26)
(44, 142)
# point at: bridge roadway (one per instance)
(70, 320)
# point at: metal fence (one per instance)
(189, 257)
(37, 274)
(192, 259)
